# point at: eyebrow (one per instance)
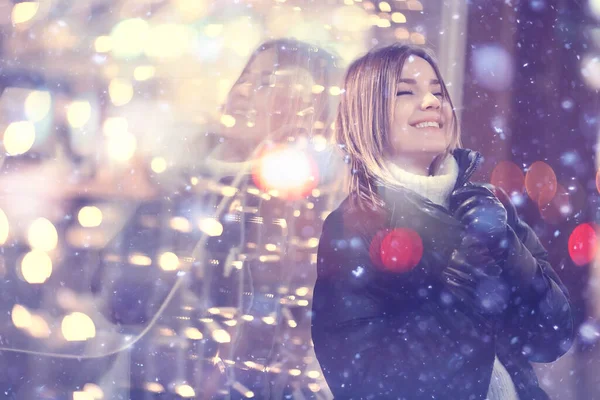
(414, 82)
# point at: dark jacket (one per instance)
(381, 335)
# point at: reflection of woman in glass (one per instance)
(276, 179)
(429, 286)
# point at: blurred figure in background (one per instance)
(277, 179)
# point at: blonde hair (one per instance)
(365, 113)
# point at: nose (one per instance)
(430, 102)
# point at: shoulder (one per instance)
(349, 220)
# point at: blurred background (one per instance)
(166, 167)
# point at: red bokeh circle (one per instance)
(583, 244)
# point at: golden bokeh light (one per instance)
(23, 12)
(89, 216)
(210, 226)
(4, 227)
(129, 37)
(185, 391)
(158, 165)
(168, 41)
(140, 259)
(115, 126)
(221, 336)
(42, 235)
(193, 333)
(79, 113)
(168, 261)
(39, 327)
(19, 137)
(77, 327)
(121, 147)
(21, 317)
(144, 72)
(120, 91)
(36, 267)
(103, 44)
(37, 105)
(228, 120)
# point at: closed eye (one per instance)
(404, 93)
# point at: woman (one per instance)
(279, 107)
(429, 286)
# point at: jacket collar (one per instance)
(468, 161)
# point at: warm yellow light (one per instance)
(143, 72)
(319, 142)
(103, 44)
(302, 303)
(168, 261)
(39, 327)
(168, 41)
(185, 391)
(385, 6)
(154, 387)
(79, 113)
(313, 374)
(23, 12)
(210, 226)
(269, 320)
(213, 30)
(129, 37)
(95, 390)
(81, 395)
(221, 336)
(42, 235)
(295, 372)
(158, 165)
(398, 18)
(180, 224)
(316, 89)
(193, 333)
(228, 120)
(140, 259)
(19, 137)
(36, 267)
(4, 227)
(335, 90)
(191, 10)
(121, 147)
(37, 105)
(77, 327)
(89, 216)
(20, 316)
(302, 291)
(247, 317)
(115, 126)
(120, 91)
(383, 23)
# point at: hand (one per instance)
(473, 277)
(483, 216)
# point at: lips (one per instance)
(428, 124)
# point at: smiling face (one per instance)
(422, 119)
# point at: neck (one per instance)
(415, 163)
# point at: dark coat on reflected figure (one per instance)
(416, 335)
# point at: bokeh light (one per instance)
(37, 105)
(559, 208)
(121, 147)
(21, 317)
(24, 11)
(19, 137)
(185, 391)
(36, 267)
(493, 67)
(158, 165)
(4, 227)
(79, 113)
(540, 183)
(590, 70)
(286, 170)
(129, 38)
(42, 235)
(120, 91)
(583, 244)
(89, 216)
(400, 249)
(77, 327)
(168, 261)
(508, 176)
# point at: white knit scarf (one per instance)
(436, 188)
